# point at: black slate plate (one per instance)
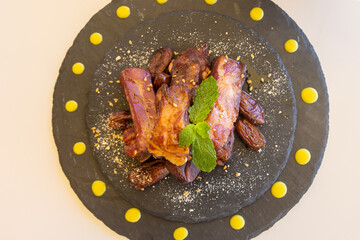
(222, 193)
(311, 128)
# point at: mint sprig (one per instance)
(197, 133)
(205, 97)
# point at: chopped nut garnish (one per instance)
(142, 189)
(175, 53)
(242, 75)
(96, 135)
(214, 129)
(111, 81)
(95, 145)
(252, 56)
(198, 177)
(237, 174)
(226, 33)
(193, 83)
(191, 80)
(117, 58)
(224, 167)
(128, 51)
(210, 51)
(221, 116)
(173, 76)
(269, 75)
(198, 190)
(246, 165)
(121, 138)
(111, 104)
(150, 85)
(206, 182)
(249, 81)
(250, 88)
(115, 171)
(93, 128)
(175, 105)
(130, 42)
(186, 193)
(262, 80)
(97, 90)
(145, 79)
(115, 136)
(97, 131)
(280, 112)
(237, 59)
(98, 140)
(183, 80)
(118, 81)
(148, 89)
(115, 99)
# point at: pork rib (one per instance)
(173, 103)
(230, 76)
(136, 84)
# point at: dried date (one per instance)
(251, 110)
(148, 173)
(250, 134)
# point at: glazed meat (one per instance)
(250, 134)
(251, 110)
(120, 120)
(173, 103)
(185, 173)
(148, 173)
(230, 76)
(136, 84)
(160, 79)
(190, 67)
(160, 61)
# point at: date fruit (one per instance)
(250, 134)
(251, 110)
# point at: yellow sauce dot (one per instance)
(132, 215)
(71, 106)
(161, 1)
(256, 14)
(237, 222)
(123, 12)
(79, 148)
(180, 233)
(291, 45)
(211, 2)
(302, 156)
(309, 95)
(78, 68)
(96, 38)
(98, 187)
(279, 189)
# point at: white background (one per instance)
(36, 200)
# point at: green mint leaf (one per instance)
(187, 135)
(205, 97)
(203, 153)
(202, 129)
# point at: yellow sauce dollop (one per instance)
(123, 12)
(279, 189)
(180, 233)
(78, 68)
(98, 188)
(256, 14)
(96, 38)
(237, 222)
(161, 1)
(291, 45)
(71, 106)
(302, 156)
(309, 95)
(211, 2)
(79, 148)
(133, 215)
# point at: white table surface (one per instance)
(37, 201)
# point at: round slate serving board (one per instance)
(185, 22)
